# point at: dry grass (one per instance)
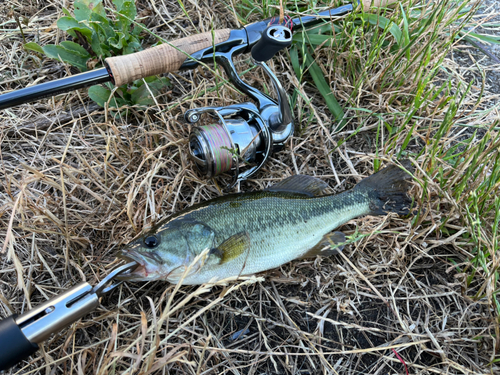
(84, 181)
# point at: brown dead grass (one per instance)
(83, 182)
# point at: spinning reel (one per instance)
(243, 136)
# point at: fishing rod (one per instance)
(185, 53)
(181, 54)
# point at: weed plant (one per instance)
(412, 295)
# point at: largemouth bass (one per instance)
(248, 233)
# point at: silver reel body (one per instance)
(242, 136)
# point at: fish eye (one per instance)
(151, 241)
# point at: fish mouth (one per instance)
(149, 267)
(142, 272)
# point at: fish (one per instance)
(243, 234)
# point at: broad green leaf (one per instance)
(141, 96)
(132, 47)
(72, 34)
(325, 90)
(128, 50)
(98, 7)
(68, 56)
(65, 23)
(117, 41)
(149, 80)
(106, 51)
(84, 8)
(70, 25)
(118, 4)
(102, 25)
(123, 39)
(158, 84)
(129, 10)
(122, 95)
(82, 11)
(123, 26)
(32, 46)
(96, 46)
(137, 29)
(86, 32)
(76, 48)
(101, 95)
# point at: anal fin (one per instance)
(331, 244)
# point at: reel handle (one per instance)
(274, 39)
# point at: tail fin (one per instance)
(387, 190)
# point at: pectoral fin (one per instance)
(331, 244)
(231, 248)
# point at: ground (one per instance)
(78, 182)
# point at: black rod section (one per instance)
(48, 89)
(308, 21)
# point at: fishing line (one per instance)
(219, 141)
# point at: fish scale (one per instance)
(280, 228)
(252, 232)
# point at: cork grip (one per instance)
(164, 58)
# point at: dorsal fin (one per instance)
(300, 184)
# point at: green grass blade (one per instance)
(324, 89)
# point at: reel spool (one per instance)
(239, 138)
(210, 147)
(243, 140)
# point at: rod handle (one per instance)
(164, 58)
(14, 346)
